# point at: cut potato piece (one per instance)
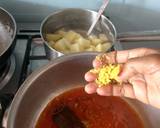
(106, 46)
(84, 43)
(91, 48)
(71, 36)
(76, 47)
(97, 41)
(67, 43)
(61, 45)
(103, 37)
(51, 43)
(103, 47)
(92, 37)
(71, 41)
(99, 48)
(61, 32)
(53, 37)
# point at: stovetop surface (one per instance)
(29, 55)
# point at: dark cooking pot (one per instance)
(7, 35)
(60, 75)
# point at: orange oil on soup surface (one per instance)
(93, 110)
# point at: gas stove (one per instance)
(28, 55)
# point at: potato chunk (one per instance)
(84, 43)
(99, 48)
(91, 48)
(71, 41)
(53, 37)
(103, 37)
(71, 36)
(61, 45)
(76, 47)
(106, 46)
(61, 32)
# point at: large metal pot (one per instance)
(74, 19)
(60, 75)
(7, 35)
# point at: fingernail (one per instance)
(132, 81)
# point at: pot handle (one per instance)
(153, 35)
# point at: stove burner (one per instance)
(7, 71)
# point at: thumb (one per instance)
(140, 65)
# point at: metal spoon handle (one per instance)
(101, 10)
(153, 35)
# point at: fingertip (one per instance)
(96, 63)
(105, 91)
(90, 88)
(89, 76)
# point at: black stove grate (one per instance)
(6, 98)
(28, 57)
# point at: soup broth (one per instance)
(93, 110)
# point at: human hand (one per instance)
(140, 75)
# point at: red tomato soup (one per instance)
(93, 110)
